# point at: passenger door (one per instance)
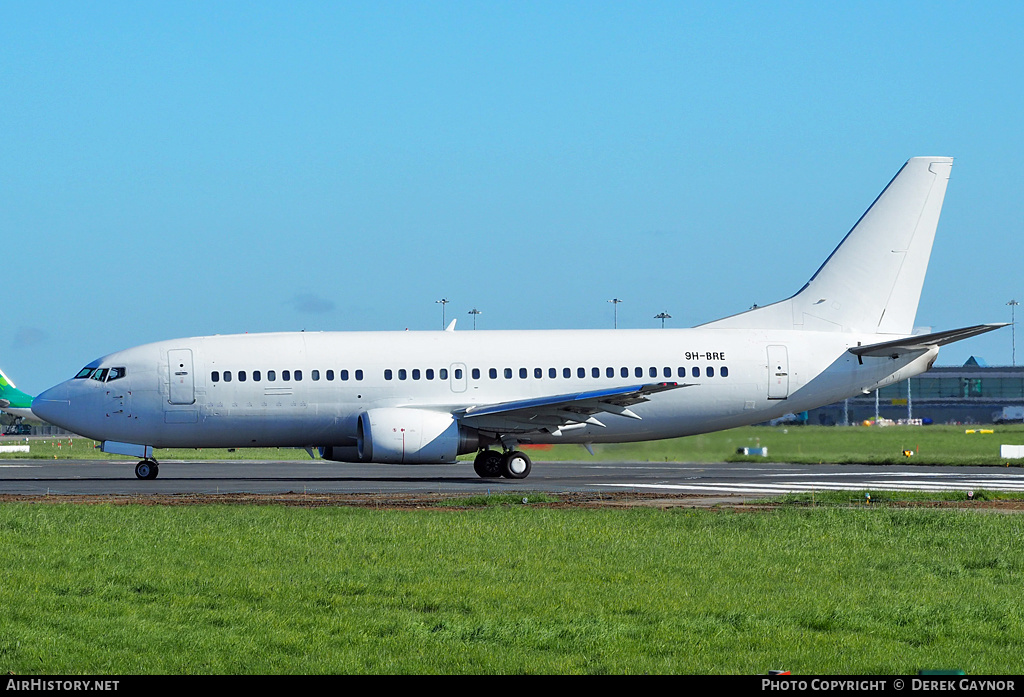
(182, 381)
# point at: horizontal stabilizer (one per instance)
(895, 349)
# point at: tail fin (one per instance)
(11, 396)
(872, 282)
(12, 399)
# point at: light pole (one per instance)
(475, 312)
(615, 303)
(1013, 331)
(663, 316)
(442, 302)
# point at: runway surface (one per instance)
(69, 477)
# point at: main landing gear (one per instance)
(512, 464)
(147, 469)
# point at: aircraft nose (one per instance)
(53, 405)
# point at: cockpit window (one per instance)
(102, 374)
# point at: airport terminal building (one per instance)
(970, 394)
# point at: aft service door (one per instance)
(778, 372)
(182, 382)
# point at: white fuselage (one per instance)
(312, 387)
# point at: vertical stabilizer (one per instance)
(872, 281)
(11, 396)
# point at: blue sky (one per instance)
(179, 169)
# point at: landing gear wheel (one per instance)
(516, 464)
(147, 469)
(488, 464)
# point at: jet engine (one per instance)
(406, 436)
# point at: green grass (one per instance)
(884, 498)
(507, 589)
(511, 499)
(64, 448)
(945, 445)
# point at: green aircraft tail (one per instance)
(11, 396)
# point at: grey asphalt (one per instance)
(69, 477)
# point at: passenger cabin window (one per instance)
(724, 372)
(271, 375)
(227, 376)
(298, 376)
(538, 373)
(443, 373)
(330, 375)
(315, 375)
(388, 375)
(359, 375)
(429, 373)
(286, 375)
(344, 375)
(215, 376)
(241, 376)
(476, 373)
(256, 376)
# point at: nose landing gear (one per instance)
(147, 469)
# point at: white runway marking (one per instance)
(875, 485)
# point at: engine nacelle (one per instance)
(411, 437)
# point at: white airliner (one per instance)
(426, 397)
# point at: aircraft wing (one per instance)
(561, 412)
(922, 342)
